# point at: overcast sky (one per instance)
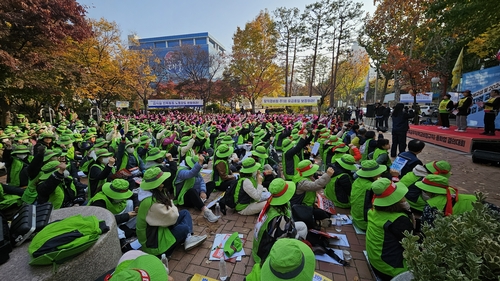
(153, 18)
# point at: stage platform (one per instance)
(466, 142)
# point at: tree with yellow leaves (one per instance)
(253, 58)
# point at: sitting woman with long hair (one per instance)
(160, 226)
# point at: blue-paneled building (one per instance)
(165, 44)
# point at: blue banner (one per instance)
(480, 83)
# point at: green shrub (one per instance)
(461, 247)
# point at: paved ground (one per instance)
(466, 176)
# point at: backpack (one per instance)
(228, 198)
(62, 240)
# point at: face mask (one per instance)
(425, 196)
(26, 141)
(130, 150)
(66, 173)
(21, 156)
(69, 145)
(254, 174)
(105, 161)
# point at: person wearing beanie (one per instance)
(275, 220)
(441, 197)
(338, 190)
(190, 189)
(415, 147)
(445, 107)
(414, 195)
(389, 218)
(249, 190)
(57, 187)
(361, 192)
(160, 225)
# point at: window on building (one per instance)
(187, 42)
(160, 44)
(173, 43)
(201, 41)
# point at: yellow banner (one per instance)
(290, 101)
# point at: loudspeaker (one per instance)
(370, 110)
(488, 157)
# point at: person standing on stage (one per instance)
(463, 107)
(491, 108)
(445, 107)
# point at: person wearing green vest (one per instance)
(441, 197)
(186, 147)
(143, 147)
(100, 170)
(17, 162)
(57, 187)
(332, 141)
(275, 220)
(369, 146)
(249, 194)
(381, 153)
(190, 189)
(414, 195)
(160, 226)
(259, 154)
(127, 157)
(222, 176)
(445, 107)
(361, 192)
(338, 190)
(336, 152)
(387, 222)
(115, 197)
(295, 154)
(288, 144)
(307, 184)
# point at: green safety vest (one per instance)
(385, 251)
(443, 105)
(379, 152)
(115, 208)
(296, 161)
(126, 155)
(159, 242)
(271, 214)
(330, 192)
(15, 171)
(57, 197)
(101, 182)
(462, 205)
(186, 185)
(310, 196)
(215, 175)
(364, 156)
(30, 194)
(238, 190)
(360, 188)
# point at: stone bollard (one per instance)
(89, 265)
